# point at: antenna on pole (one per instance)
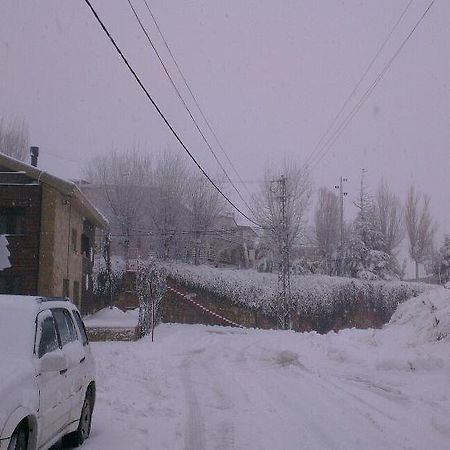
(342, 194)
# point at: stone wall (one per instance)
(58, 260)
(112, 334)
(177, 309)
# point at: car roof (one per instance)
(34, 302)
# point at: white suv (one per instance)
(47, 382)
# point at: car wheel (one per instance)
(84, 427)
(19, 439)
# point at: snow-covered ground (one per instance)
(200, 387)
(113, 318)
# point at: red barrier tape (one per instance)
(205, 309)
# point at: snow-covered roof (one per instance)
(64, 186)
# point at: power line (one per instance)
(228, 237)
(352, 93)
(328, 144)
(149, 97)
(192, 94)
(45, 152)
(250, 181)
(172, 82)
(150, 232)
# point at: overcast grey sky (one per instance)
(270, 75)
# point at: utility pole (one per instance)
(284, 270)
(342, 194)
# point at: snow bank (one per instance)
(315, 297)
(425, 318)
(4, 253)
(113, 318)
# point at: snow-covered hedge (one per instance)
(317, 298)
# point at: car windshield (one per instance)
(17, 327)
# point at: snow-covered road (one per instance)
(201, 387)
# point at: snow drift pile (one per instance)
(113, 318)
(317, 298)
(425, 318)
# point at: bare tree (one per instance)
(151, 284)
(205, 204)
(167, 209)
(420, 227)
(14, 138)
(269, 211)
(125, 178)
(326, 222)
(390, 217)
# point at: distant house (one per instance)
(232, 244)
(50, 227)
(224, 242)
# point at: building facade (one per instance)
(50, 228)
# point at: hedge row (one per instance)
(319, 299)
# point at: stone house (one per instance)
(50, 228)
(231, 244)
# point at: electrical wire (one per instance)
(150, 98)
(218, 234)
(358, 84)
(329, 143)
(193, 95)
(172, 82)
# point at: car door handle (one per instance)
(62, 372)
(82, 359)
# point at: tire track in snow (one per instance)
(309, 433)
(225, 428)
(194, 438)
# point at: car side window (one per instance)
(65, 326)
(46, 339)
(81, 327)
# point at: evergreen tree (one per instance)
(363, 255)
(441, 266)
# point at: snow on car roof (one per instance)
(17, 325)
(28, 301)
(18, 302)
(17, 321)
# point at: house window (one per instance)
(85, 246)
(11, 220)
(9, 285)
(74, 239)
(66, 288)
(76, 292)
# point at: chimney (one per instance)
(34, 153)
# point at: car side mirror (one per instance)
(52, 362)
